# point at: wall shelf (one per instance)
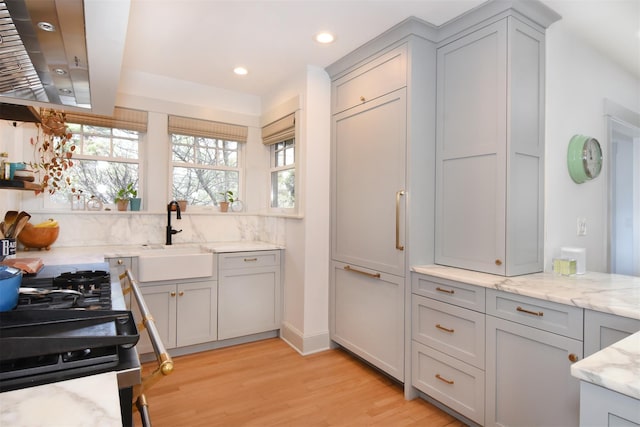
(19, 185)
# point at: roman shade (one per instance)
(123, 118)
(280, 130)
(207, 129)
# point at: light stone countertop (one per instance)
(608, 293)
(82, 401)
(93, 254)
(616, 367)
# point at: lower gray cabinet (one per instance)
(249, 293)
(601, 407)
(603, 329)
(367, 315)
(528, 368)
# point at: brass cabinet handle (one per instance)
(250, 259)
(442, 328)
(498, 262)
(120, 262)
(446, 291)
(534, 313)
(362, 99)
(374, 275)
(181, 293)
(173, 294)
(398, 195)
(444, 380)
(573, 358)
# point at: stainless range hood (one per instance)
(43, 52)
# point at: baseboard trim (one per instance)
(304, 345)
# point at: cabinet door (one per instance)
(367, 316)
(470, 151)
(196, 314)
(368, 180)
(603, 329)
(248, 301)
(528, 376)
(161, 302)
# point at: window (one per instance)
(203, 168)
(107, 155)
(206, 159)
(283, 175)
(280, 137)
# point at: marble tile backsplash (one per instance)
(111, 228)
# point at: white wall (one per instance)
(578, 81)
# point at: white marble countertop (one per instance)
(608, 293)
(77, 402)
(92, 254)
(616, 367)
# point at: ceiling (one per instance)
(274, 39)
(199, 42)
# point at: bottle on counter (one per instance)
(5, 166)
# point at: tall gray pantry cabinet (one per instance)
(382, 184)
(490, 147)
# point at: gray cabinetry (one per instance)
(601, 407)
(530, 345)
(249, 293)
(185, 313)
(382, 187)
(490, 149)
(448, 347)
(603, 329)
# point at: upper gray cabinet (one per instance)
(490, 148)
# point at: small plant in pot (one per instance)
(228, 198)
(124, 195)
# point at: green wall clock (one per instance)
(584, 158)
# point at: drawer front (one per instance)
(449, 291)
(454, 383)
(546, 315)
(452, 330)
(372, 80)
(255, 259)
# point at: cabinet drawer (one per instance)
(450, 381)
(452, 330)
(449, 291)
(546, 315)
(248, 259)
(372, 80)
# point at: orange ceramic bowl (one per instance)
(38, 237)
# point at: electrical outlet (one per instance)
(582, 226)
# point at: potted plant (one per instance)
(124, 195)
(228, 198)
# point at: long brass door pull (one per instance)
(533, 313)
(374, 275)
(442, 328)
(444, 380)
(398, 195)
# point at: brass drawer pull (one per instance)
(181, 293)
(446, 291)
(374, 275)
(573, 358)
(250, 259)
(442, 328)
(173, 294)
(534, 313)
(444, 380)
(362, 99)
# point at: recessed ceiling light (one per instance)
(324, 37)
(241, 71)
(65, 91)
(60, 71)
(46, 26)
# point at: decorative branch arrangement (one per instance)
(53, 153)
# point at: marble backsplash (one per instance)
(117, 228)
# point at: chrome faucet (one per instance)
(170, 230)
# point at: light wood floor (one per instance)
(267, 383)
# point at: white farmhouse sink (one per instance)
(173, 263)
